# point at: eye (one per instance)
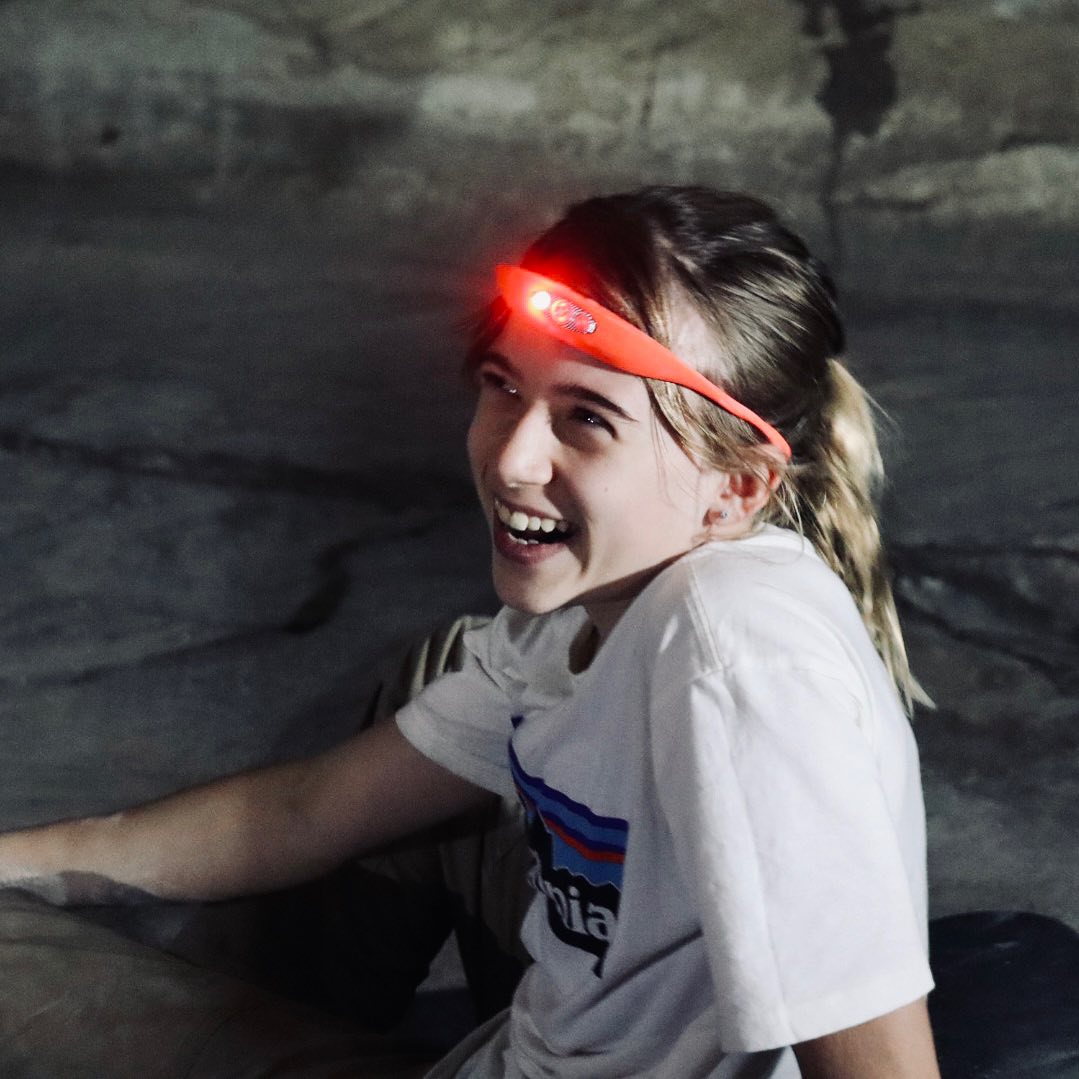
(489, 379)
(589, 418)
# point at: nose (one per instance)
(524, 454)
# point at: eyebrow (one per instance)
(569, 389)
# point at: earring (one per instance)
(724, 514)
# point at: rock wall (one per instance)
(954, 110)
(237, 235)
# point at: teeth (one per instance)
(523, 522)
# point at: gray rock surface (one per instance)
(237, 238)
(818, 102)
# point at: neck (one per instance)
(604, 617)
(583, 649)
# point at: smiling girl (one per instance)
(695, 689)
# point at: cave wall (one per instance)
(237, 237)
(951, 110)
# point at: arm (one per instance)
(255, 831)
(898, 1045)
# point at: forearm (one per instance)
(237, 835)
(252, 832)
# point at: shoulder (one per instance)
(765, 602)
(772, 583)
(759, 632)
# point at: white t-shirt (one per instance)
(726, 815)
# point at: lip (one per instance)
(522, 554)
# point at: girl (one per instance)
(695, 689)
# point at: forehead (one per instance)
(536, 354)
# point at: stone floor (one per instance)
(231, 435)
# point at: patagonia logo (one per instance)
(579, 859)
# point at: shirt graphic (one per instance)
(579, 858)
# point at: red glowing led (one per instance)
(540, 301)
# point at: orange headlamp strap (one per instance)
(583, 324)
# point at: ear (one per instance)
(738, 501)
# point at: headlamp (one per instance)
(584, 324)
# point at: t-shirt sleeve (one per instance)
(783, 830)
(462, 720)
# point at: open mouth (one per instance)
(531, 529)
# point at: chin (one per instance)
(529, 605)
(527, 601)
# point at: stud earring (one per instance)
(724, 514)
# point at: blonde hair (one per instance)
(769, 307)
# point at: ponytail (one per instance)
(832, 498)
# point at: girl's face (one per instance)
(587, 496)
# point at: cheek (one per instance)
(488, 433)
(475, 440)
